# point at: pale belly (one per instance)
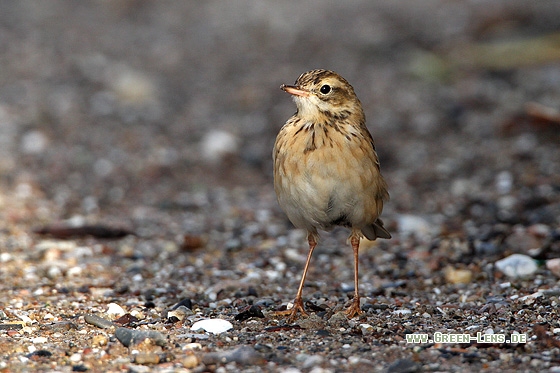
(322, 189)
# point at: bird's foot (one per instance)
(354, 309)
(293, 312)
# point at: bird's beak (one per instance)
(294, 90)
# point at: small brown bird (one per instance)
(326, 171)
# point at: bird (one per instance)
(326, 170)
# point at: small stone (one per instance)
(16, 325)
(190, 361)
(413, 224)
(130, 337)
(504, 182)
(80, 368)
(402, 312)
(115, 309)
(179, 314)
(338, 319)
(38, 340)
(62, 326)
(312, 322)
(553, 265)
(192, 346)
(99, 340)
(367, 329)
(244, 355)
(215, 326)
(517, 265)
(253, 311)
(184, 303)
(100, 322)
(146, 358)
(217, 145)
(34, 142)
(457, 276)
(403, 366)
(312, 361)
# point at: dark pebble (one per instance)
(100, 322)
(185, 302)
(244, 355)
(403, 366)
(79, 368)
(253, 311)
(129, 337)
(11, 326)
(39, 353)
(265, 302)
(323, 333)
(126, 319)
(62, 326)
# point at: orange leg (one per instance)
(354, 308)
(298, 302)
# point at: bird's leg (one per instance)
(298, 301)
(354, 308)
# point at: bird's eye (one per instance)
(325, 89)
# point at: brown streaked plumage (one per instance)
(326, 171)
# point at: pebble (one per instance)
(403, 366)
(215, 326)
(38, 340)
(62, 326)
(320, 370)
(553, 265)
(311, 361)
(100, 322)
(244, 355)
(217, 145)
(145, 358)
(367, 329)
(179, 313)
(413, 224)
(190, 361)
(184, 303)
(34, 142)
(99, 340)
(457, 276)
(517, 265)
(129, 337)
(17, 325)
(115, 309)
(402, 312)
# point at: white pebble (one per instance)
(215, 326)
(38, 340)
(115, 309)
(517, 265)
(553, 265)
(33, 142)
(402, 312)
(217, 145)
(504, 182)
(74, 271)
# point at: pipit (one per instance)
(326, 170)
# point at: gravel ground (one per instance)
(136, 193)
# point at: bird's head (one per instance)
(319, 93)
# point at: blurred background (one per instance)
(110, 105)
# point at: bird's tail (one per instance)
(376, 230)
